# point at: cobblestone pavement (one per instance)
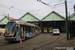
(45, 41)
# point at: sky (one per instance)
(17, 8)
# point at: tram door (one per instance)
(17, 32)
(33, 31)
(21, 32)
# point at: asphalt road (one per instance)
(40, 42)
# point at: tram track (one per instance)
(45, 40)
(67, 43)
(42, 41)
(34, 40)
(6, 43)
(48, 39)
(56, 40)
(38, 37)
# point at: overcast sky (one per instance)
(17, 8)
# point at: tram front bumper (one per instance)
(10, 38)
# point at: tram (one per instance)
(16, 29)
(2, 31)
(51, 29)
(45, 29)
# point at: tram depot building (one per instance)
(53, 20)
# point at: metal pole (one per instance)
(8, 17)
(69, 18)
(67, 29)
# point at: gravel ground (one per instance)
(40, 42)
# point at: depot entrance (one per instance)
(48, 26)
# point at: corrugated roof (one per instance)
(28, 17)
(11, 18)
(72, 17)
(53, 16)
(5, 20)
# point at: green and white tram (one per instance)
(16, 29)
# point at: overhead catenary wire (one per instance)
(18, 10)
(53, 7)
(2, 8)
(11, 7)
(59, 3)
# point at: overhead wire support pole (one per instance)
(8, 17)
(67, 27)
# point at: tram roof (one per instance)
(23, 22)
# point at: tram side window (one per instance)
(27, 29)
(38, 29)
(24, 29)
(17, 31)
(31, 29)
(35, 29)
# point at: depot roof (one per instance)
(5, 20)
(72, 17)
(29, 17)
(53, 16)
